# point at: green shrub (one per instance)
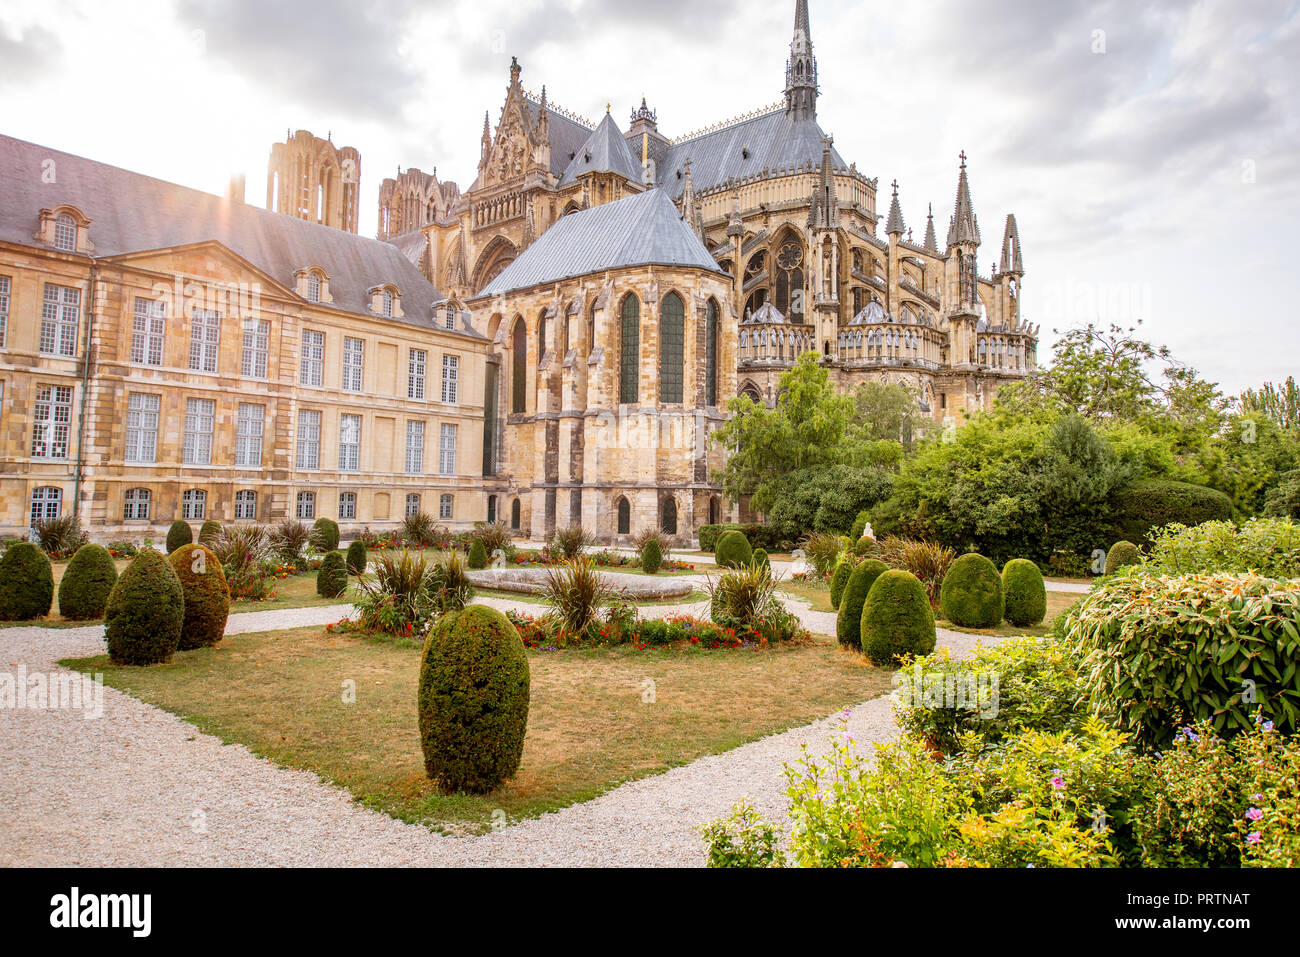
(1153, 503)
(848, 620)
(478, 556)
(473, 700)
(207, 596)
(287, 540)
(332, 576)
(866, 547)
(896, 618)
(1025, 592)
(26, 583)
(60, 537)
(1161, 652)
(571, 541)
(1266, 546)
(652, 557)
(761, 558)
(448, 585)
(764, 536)
(86, 583)
(179, 534)
(209, 532)
(859, 524)
(1122, 555)
(971, 595)
(823, 550)
(926, 560)
(357, 557)
(324, 535)
(840, 578)
(577, 592)
(145, 612)
(1283, 499)
(733, 550)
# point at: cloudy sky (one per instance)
(1150, 152)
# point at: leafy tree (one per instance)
(826, 499)
(1281, 403)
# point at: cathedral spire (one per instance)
(964, 227)
(801, 68)
(690, 212)
(894, 224)
(931, 243)
(1011, 262)
(487, 137)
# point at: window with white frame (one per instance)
(205, 340)
(313, 357)
(51, 421)
(194, 504)
(308, 439)
(47, 503)
(142, 427)
(386, 302)
(248, 434)
(450, 375)
(415, 374)
(349, 443)
(449, 317)
(200, 415)
(347, 504)
(412, 504)
(60, 315)
(135, 505)
(313, 287)
(307, 505)
(245, 505)
(447, 450)
(257, 339)
(414, 447)
(354, 358)
(65, 233)
(5, 286)
(445, 506)
(147, 325)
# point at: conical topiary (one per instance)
(896, 619)
(145, 612)
(840, 578)
(652, 556)
(733, 550)
(179, 534)
(478, 556)
(86, 584)
(207, 596)
(1024, 591)
(332, 576)
(324, 535)
(26, 583)
(357, 558)
(848, 622)
(209, 532)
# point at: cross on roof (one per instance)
(895, 185)
(963, 159)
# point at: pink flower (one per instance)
(1058, 782)
(1253, 837)
(1254, 814)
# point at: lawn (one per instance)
(590, 725)
(1057, 602)
(817, 594)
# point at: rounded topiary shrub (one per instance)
(1153, 503)
(473, 700)
(866, 546)
(848, 622)
(478, 556)
(209, 532)
(733, 550)
(332, 576)
(26, 583)
(207, 596)
(1121, 554)
(145, 611)
(971, 594)
(86, 583)
(896, 619)
(324, 535)
(357, 558)
(179, 534)
(1024, 592)
(839, 578)
(760, 557)
(652, 556)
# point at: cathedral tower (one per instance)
(801, 69)
(312, 179)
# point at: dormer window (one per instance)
(386, 300)
(386, 303)
(65, 233)
(65, 228)
(449, 316)
(313, 287)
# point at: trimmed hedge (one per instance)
(760, 558)
(324, 535)
(896, 619)
(473, 700)
(867, 547)
(971, 594)
(840, 578)
(1152, 503)
(652, 557)
(26, 583)
(357, 557)
(1121, 555)
(848, 622)
(86, 584)
(207, 596)
(1024, 591)
(179, 534)
(759, 536)
(145, 612)
(733, 550)
(209, 532)
(332, 576)
(478, 556)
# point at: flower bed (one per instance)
(542, 634)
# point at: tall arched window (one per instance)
(789, 280)
(514, 515)
(669, 523)
(711, 353)
(492, 509)
(629, 349)
(541, 337)
(624, 516)
(519, 368)
(672, 338)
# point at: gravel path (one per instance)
(140, 787)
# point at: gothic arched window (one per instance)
(514, 515)
(519, 367)
(711, 353)
(672, 341)
(624, 516)
(789, 280)
(669, 522)
(629, 349)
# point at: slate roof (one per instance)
(640, 230)
(566, 135)
(605, 151)
(774, 140)
(130, 212)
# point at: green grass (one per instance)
(1057, 602)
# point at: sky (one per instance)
(1150, 152)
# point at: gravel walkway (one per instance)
(141, 787)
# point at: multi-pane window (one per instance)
(354, 358)
(386, 302)
(60, 314)
(200, 415)
(449, 317)
(444, 506)
(4, 310)
(257, 338)
(51, 421)
(308, 439)
(313, 357)
(307, 505)
(142, 427)
(414, 448)
(711, 354)
(349, 443)
(447, 450)
(135, 505)
(415, 374)
(245, 505)
(205, 339)
(65, 233)
(313, 287)
(672, 334)
(248, 434)
(629, 350)
(147, 331)
(412, 504)
(450, 375)
(194, 504)
(347, 504)
(47, 502)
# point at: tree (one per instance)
(1281, 403)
